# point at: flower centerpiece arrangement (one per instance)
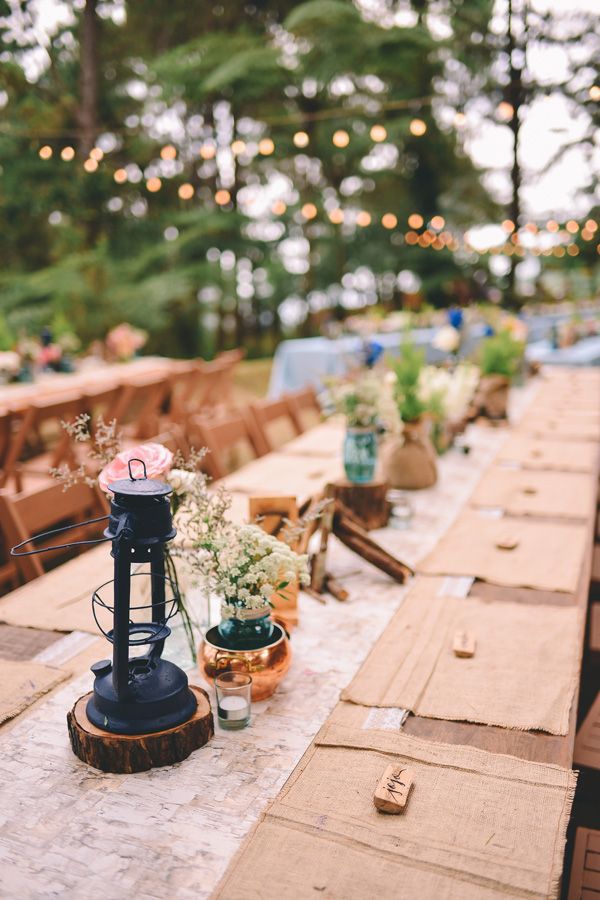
(240, 563)
(367, 403)
(447, 395)
(124, 341)
(499, 359)
(410, 460)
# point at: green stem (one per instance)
(188, 623)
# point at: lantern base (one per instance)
(158, 698)
(126, 753)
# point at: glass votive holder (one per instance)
(401, 513)
(233, 699)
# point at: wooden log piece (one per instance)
(126, 753)
(391, 794)
(367, 502)
(356, 538)
(463, 644)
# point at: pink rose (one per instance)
(158, 460)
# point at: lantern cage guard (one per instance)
(140, 633)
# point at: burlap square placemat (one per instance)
(535, 453)
(477, 825)
(510, 551)
(570, 495)
(523, 674)
(21, 683)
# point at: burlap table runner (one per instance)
(535, 453)
(570, 495)
(564, 426)
(477, 825)
(514, 552)
(21, 683)
(523, 674)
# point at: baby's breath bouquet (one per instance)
(365, 399)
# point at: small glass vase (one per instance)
(360, 455)
(252, 629)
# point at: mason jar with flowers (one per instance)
(362, 399)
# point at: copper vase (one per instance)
(266, 665)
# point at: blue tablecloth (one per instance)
(308, 361)
(584, 353)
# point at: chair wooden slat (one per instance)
(271, 416)
(304, 408)
(221, 436)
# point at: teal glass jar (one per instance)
(360, 454)
(250, 630)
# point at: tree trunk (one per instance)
(87, 113)
(515, 98)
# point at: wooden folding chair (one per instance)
(102, 402)
(304, 408)
(224, 437)
(584, 881)
(38, 440)
(187, 383)
(275, 422)
(140, 406)
(29, 513)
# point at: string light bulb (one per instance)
(168, 152)
(389, 220)
(438, 223)
(505, 111)
(572, 226)
(153, 185)
(363, 218)
(238, 147)
(208, 151)
(266, 146)
(336, 216)
(222, 197)
(120, 176)
(378, 133)
(411, 237)
(97, 154)
(415, 220)
(301, 139)
(90, 165)
(573, 250)
(278, 208)
(340, 138)
(417, 127)
(460, 119)
(591, 225)
(552, 226)
(67, 153)
(186, 191)
(309, 210)
(45, 152)
(595, 92)
(508, 225)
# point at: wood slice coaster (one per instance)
(126, 753)
(367, 501)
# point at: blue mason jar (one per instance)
(360, 454)
(254, 629)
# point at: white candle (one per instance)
(233, 708)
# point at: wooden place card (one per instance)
(392, 791)
(463, 644)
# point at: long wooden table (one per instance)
(202, 810)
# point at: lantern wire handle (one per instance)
(44, 534)
(131, 475)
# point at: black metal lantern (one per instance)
(143, 694)
(146, 693)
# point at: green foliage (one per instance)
(500, 355)
(407, 369)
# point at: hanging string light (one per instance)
(438, 222)
(363, 218)
(336, 216)
(120, 176)
(389, 220)
(378, 133)
(168, 152)
(208, 151)
(301, 139)
(153, 185)
(67, 153)
(309, 210)
(186, 191)
(45, 152)
(222, 197)
(266, 146)
(97, 154)
(417, 127)
(90, 165)
(415, 220)
(278, 208)
(340, 138)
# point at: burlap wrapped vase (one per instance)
(491, 398)
(410, 461)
